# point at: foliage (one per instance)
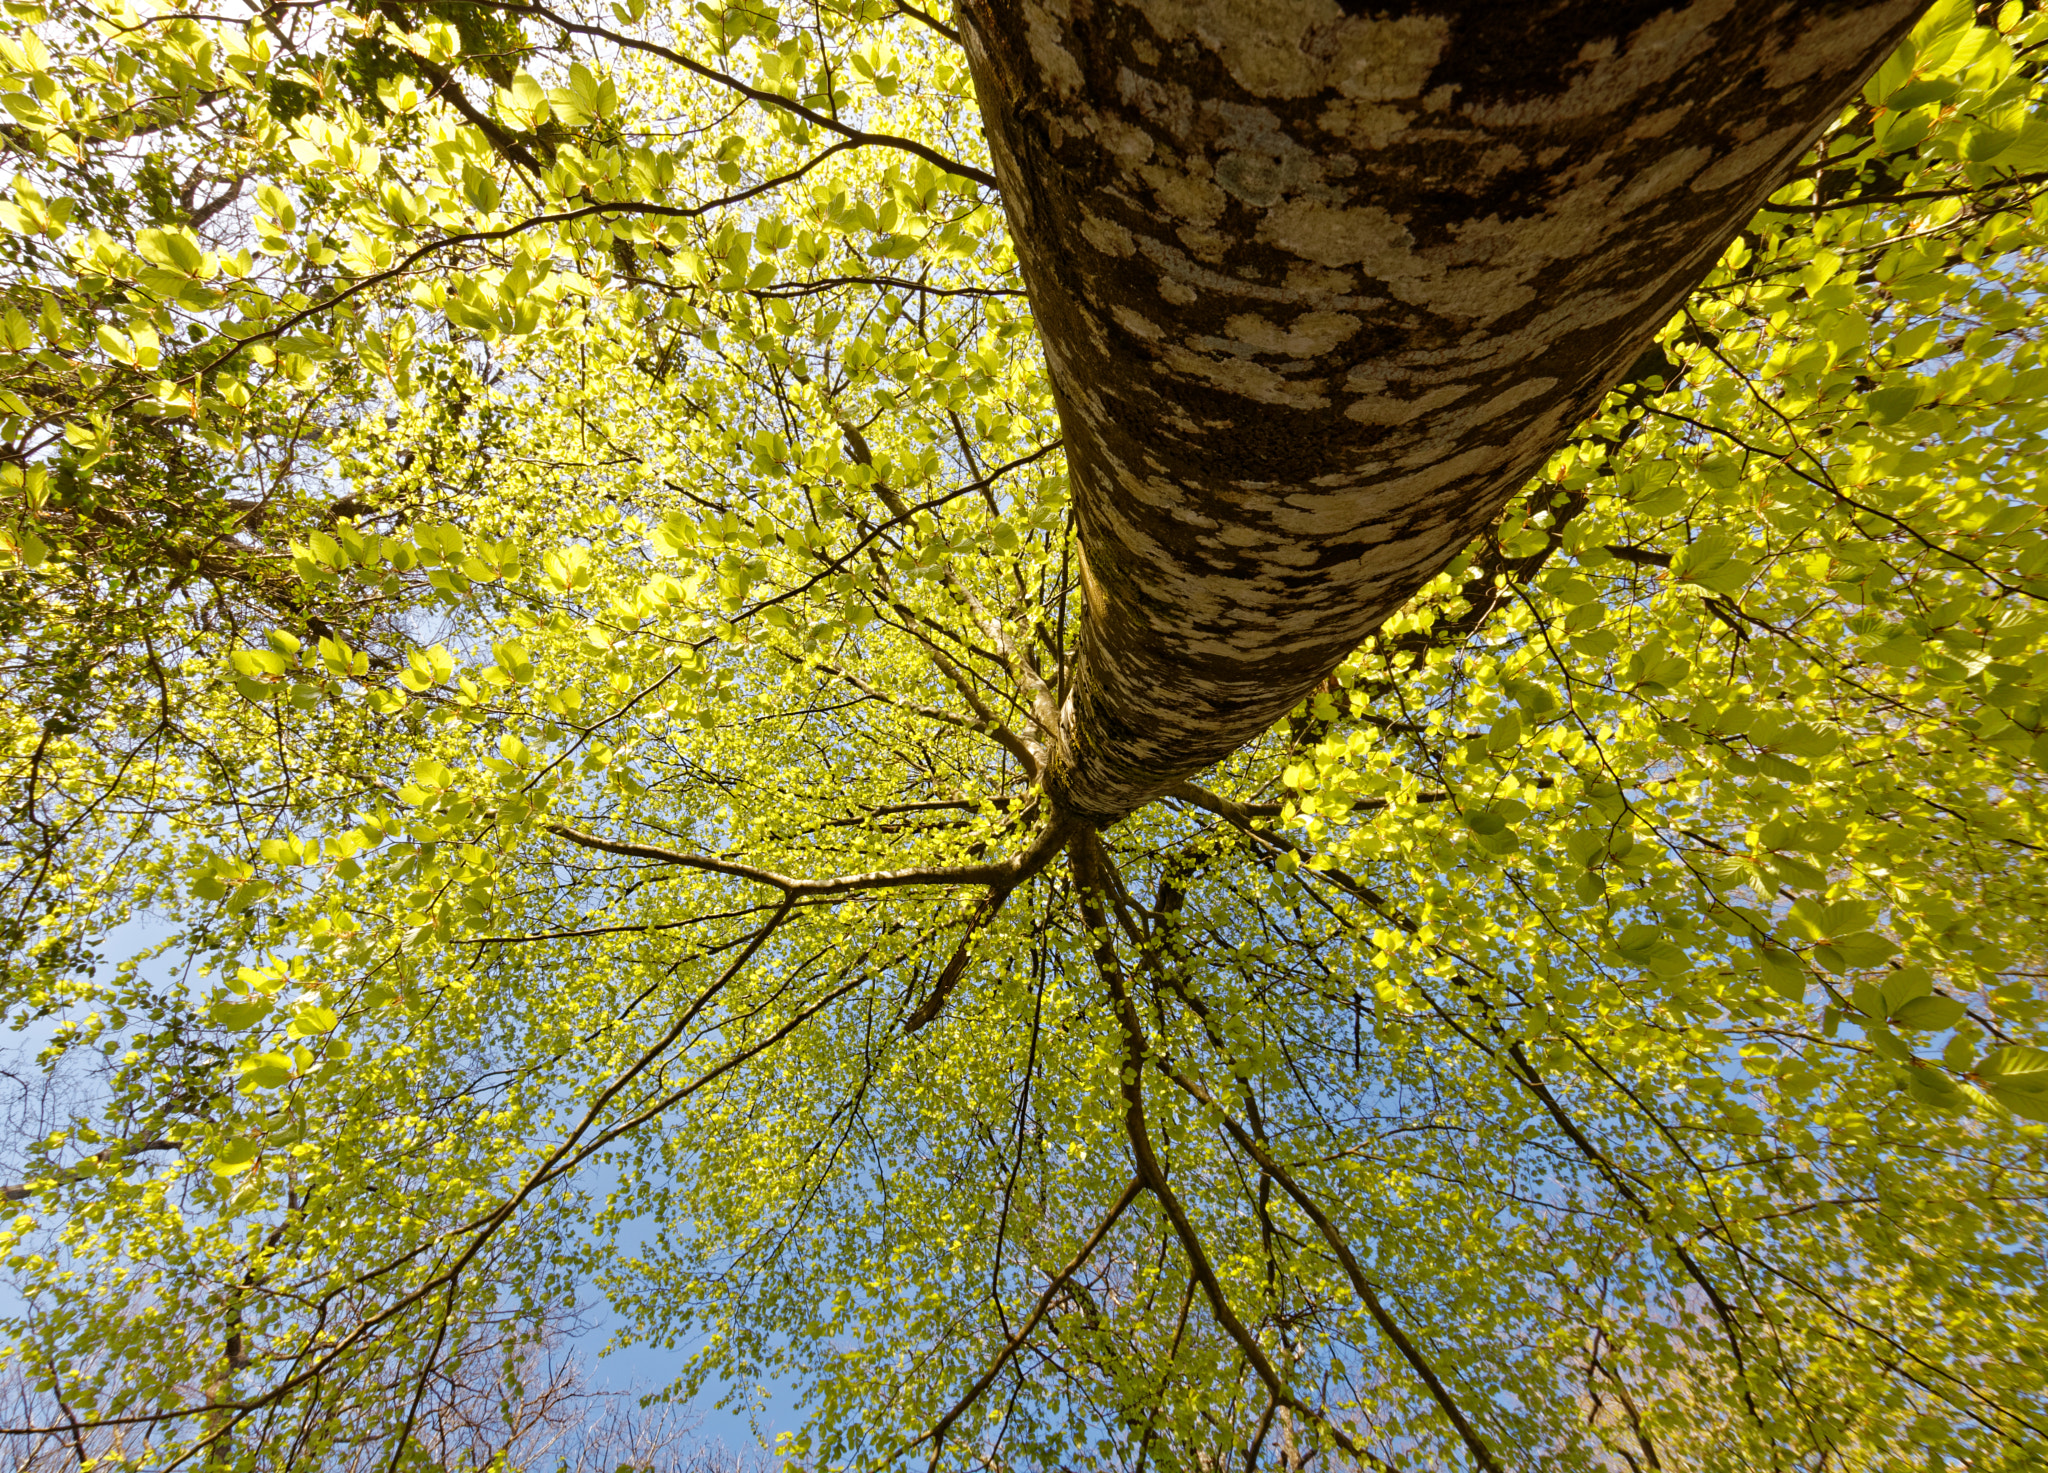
(538, 562)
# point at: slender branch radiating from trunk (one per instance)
(1321, 284)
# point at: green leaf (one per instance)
(526, 99)
(2027, 1104)
(1501, 843)
(234, 1157)
(1940, 31)
(241, 1014)
(1856, 950)
(1930, 1086)
(2027, 153)
(1655, 673)
(310, 1019)
(1921, 92)
(896, 247)
(174, 249)
(1928, 1014)
(514, 659)
(1646, 946)
(265, 1071)
(1785, 974)
(1901, 651)
(259, 662)
(1710, 561)
(1905, 984)
(1889, 78)
(586, 99)
(1770, 764)
(1797, 737)
(1841, 918)
(1982, 144)
(247, 895)
(2017, 1067)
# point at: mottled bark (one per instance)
(1321, 284)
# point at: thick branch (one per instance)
(23, 1191)
(753, 94)
(1002, 874)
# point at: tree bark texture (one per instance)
(1321, 284)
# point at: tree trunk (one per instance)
(1321, 285)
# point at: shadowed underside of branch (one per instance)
(1320, 286)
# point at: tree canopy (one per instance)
(543, 578)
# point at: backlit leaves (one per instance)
(477, 577)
